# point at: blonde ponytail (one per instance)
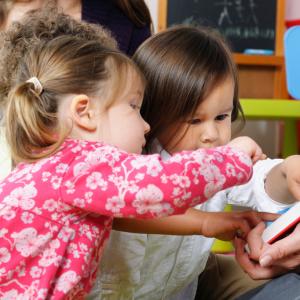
(27, 124)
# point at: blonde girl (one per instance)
(73, 125)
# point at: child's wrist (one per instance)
(205, 224)
(198, 218)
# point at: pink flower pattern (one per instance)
(57, 213)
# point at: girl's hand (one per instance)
(227, 225)
(248, 146)
(267, 261)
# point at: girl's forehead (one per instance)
(133, 79)
(220, 96)
(128, 83)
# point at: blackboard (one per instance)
(246, 24)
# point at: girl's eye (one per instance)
(222, 117)
(194, 121)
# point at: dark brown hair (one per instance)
(182, 65)
(41, 25)
(136, 10)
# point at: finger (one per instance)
(282, 248)
(243, 228)
(266, 216)
(255, 159)
(264, 156)
(252, 268)
(252, 217)
(240, 254)
(258, 155)
(291, 262)
(255, 242)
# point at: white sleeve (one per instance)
(253, 193)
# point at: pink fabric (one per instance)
(56, 214)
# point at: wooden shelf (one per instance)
(263, 76)
(258, 60)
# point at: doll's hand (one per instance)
(227, 225)
(248, 146)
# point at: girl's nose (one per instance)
(210, 134)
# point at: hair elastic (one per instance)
(37, 84)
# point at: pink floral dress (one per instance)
(56, 214)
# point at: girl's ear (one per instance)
(82, 113)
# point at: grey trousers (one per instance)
(223, 279)
(286, 287)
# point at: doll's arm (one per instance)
(283, 181)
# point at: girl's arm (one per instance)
(114, 183)
(104, 180)
(283, 181)
(221, 225)
(184, 224)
